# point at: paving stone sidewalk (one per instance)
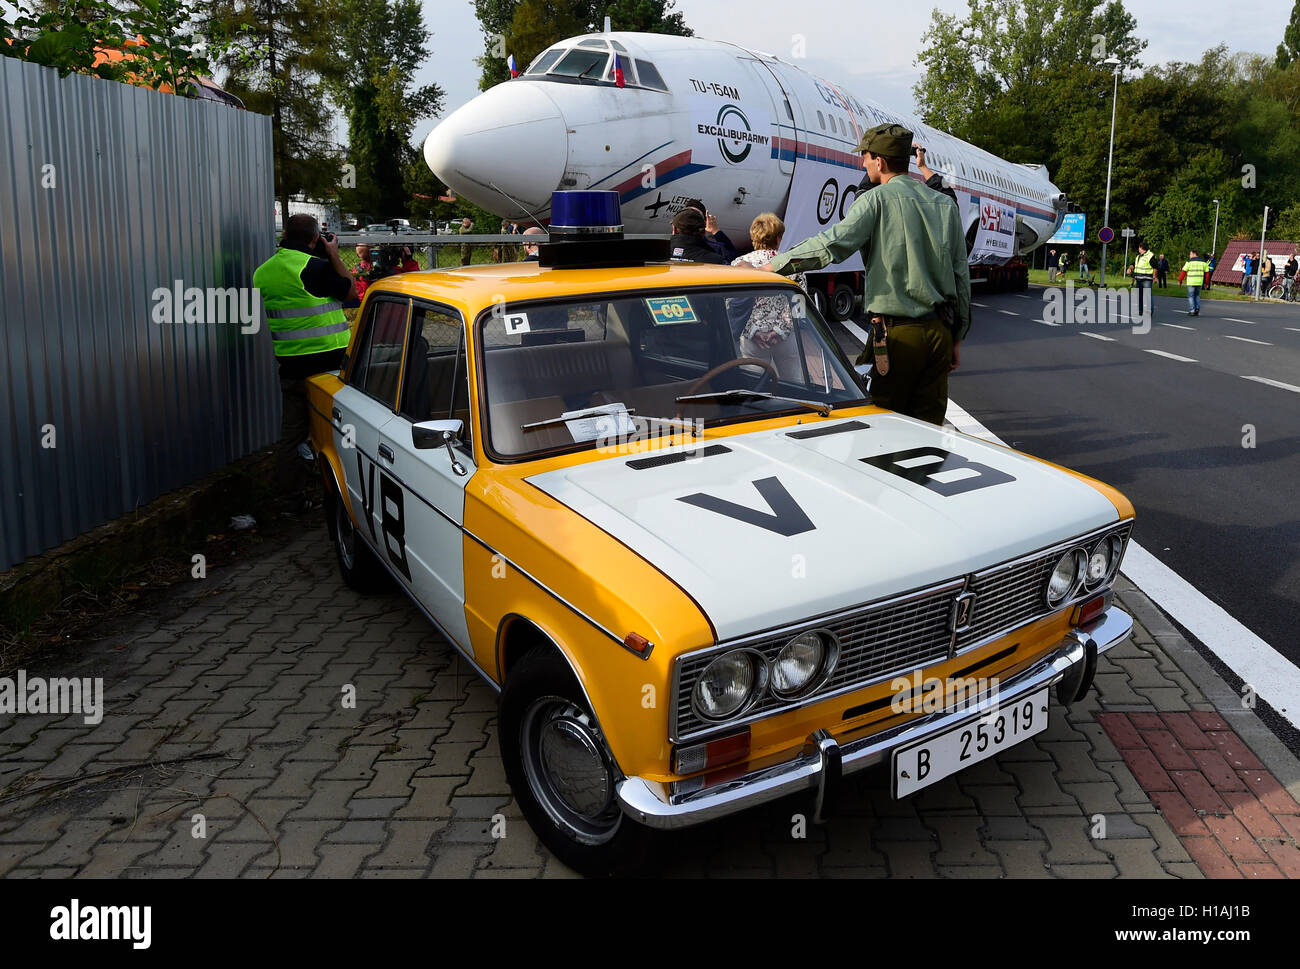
(226, 722)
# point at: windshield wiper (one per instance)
(596, 64)
(600, 411)
(741, 396)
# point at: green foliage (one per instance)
(1288, 223)
(277, 55)
(1024, 80)
(380, 44)
(1288, 52)
(157, 37)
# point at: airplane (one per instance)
(744, 131)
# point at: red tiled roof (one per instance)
(1228, 268)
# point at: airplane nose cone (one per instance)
(512, 136)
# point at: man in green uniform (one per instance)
(1144, 274)
(1196, 268)
(917, 287)
(303, 287)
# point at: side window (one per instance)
(379, 361)
(436, 387)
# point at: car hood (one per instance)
(777, 526)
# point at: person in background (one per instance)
(688, 242)
(530, 251)
(466, 228)
(1266, 275)
(1247, 271)
(363, 258)
(768, 333)
(1144, 277)
(1062, 265)
(1162, 271)
(1288, 276)
(932, 179)
(303, 286)
(714, 237)
(1209, 276)
(1051, 266)
(1195, 269)
(1084, 274)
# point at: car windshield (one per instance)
(544, 366)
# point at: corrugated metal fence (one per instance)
(108, 193)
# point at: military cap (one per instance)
(890, 140)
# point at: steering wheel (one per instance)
(723, 367)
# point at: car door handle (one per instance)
(338, 414)
(386, 453)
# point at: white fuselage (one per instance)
(743, 131)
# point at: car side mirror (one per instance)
(432, 434)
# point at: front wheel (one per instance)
(561, 770)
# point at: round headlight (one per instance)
(797, 665)
(725, 685)
(1063, 578)
(1099, 561)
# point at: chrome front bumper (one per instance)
(823, 759)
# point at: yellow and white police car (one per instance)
(651, 504)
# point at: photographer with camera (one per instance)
(303, 287)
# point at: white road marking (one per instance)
(1046, 323)
(1270, 674)
(982, 306)
(1274, 383)
(1098, 336)
(1233, 319)
(858, 332)
(1023, 296)
(1246, 339)
(1171, 356)
(1294, 329)
(1008, 312)
(1178, 326)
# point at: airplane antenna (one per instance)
(520, 204)
(606, 23)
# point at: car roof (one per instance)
(481, 285)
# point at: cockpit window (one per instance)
(618, 46)
(629, 76)
(543, 63)
(593, 42)
(581, 62)
(649, 76)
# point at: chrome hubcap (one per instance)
(568, 770)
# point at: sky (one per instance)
(868, 46)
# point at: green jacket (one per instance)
(300, 323)
(1142, 265)
(913, 250)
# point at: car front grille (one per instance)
(896, 636)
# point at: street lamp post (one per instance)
(1214, 246)
(1105, 219)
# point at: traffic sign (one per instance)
(1106, 234)
(1128, 233)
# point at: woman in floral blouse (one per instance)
(769, 334)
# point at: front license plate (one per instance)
(934, 758)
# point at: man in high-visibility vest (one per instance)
(1144, 277)
(1196, 268)
(302, 287)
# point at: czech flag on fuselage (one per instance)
(510, 63)
(618, 71)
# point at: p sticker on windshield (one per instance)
(516, 323)
(671, 309)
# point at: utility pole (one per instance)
(1259, 267)
(1105, 219)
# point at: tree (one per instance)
(277, 54)
(538, 24)
(381, 43)
(1012, 47)
(1289, 50)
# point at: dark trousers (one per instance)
(291, 471)
(1143, 284)
(920, 355)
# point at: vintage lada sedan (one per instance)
(652, 504)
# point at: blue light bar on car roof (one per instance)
(586, 214)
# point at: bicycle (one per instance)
(1285, 290)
